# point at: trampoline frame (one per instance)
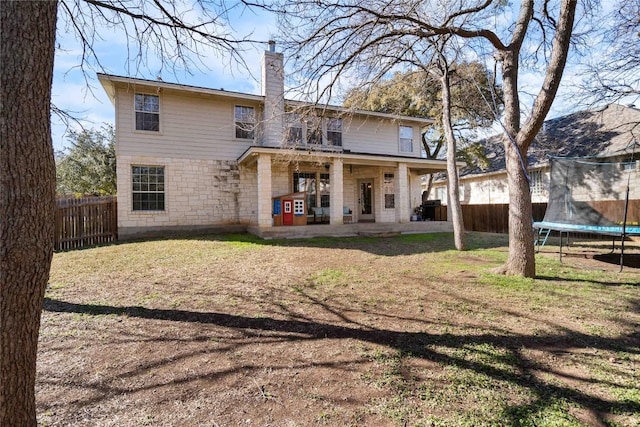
(622, 231)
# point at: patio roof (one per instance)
(311, 154)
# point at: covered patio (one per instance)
(381, 191)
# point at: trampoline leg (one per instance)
(621, 253)
(561, 246)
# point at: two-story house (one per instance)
(191, 157)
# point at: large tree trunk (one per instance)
(521, 259)
(27, 192)
(452, 168)
(517, 139)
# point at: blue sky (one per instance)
(78, 91)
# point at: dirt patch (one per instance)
(227, 331)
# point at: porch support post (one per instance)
(337, 191)
(403, 193)
(264, 190)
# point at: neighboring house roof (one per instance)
(108, 82)
(612, 131)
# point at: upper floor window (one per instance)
(294, 129)
(245, 122)
(406, 139)
(147, 108)
(314, 132)
(148, 188)
(334, 132)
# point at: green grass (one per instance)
(428, 335)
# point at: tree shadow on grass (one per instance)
(623, 282)
(404, 244)
(442, 348)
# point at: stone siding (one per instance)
(197, 193)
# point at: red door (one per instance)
(287, 212)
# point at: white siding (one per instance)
(190, 127)
(489, 189)
(493, 189)
(376, 136)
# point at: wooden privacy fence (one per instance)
(490, 218)
(85, 221)
(495, 218)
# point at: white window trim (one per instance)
(160, 118)
(321, 129)
(400, 150)
(305, 124)
(291, 120)
(340, 131)
(537, 182)
(255, 126)
(165, 191)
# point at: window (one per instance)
(294, 129)
(389, 191)
(334, 132)
(245, 122)
(306, 181)
(148, 188)
(314, 132)
(324, 190)
(406, 139)
(536, 182)
(314, 185)
(147, 108)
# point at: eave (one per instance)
(419, 165)
(109, 83)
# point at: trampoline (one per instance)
(592, 197)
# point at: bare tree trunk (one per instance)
(27, 192)
(426, 193)
(521, 260)
(517, 139)
(452, 168)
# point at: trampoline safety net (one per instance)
(590, 194)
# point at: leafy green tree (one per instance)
(475, 102)
(89, 165)
(455, 95)
(331, 40)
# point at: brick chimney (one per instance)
(273, 92)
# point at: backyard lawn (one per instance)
(229, 330)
